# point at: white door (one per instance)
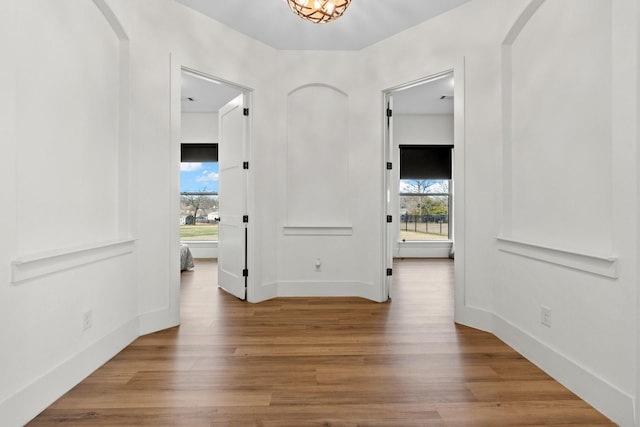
(232, 181)
(391, 213)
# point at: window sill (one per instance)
(423, 249)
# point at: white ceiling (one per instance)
(199, 95)
(364, 23)
(431, 97)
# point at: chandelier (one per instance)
(319, 11)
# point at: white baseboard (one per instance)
(158, 320)
(27, 403)
(605, 397)
(473, 317)
(315, 289)
(334, 288)
(263, 292)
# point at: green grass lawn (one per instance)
(199, 232)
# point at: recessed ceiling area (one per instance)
(364, 23)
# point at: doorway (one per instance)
(214, 152)
(421, 191)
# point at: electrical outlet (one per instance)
(545, 316)
(87, 320)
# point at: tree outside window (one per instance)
(199, 201)
(424, 209)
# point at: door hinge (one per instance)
(389, 271)
(389, 218)
(245, 165)
(389, 112)
(245, 273)
(245, 218)
(389, 166)
(245, 111)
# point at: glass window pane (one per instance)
(199, 217)
(424, 210)
(199, 176)
(199, 201)
(423, 186)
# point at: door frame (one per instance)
(461, 311)
(178, 65)
(426, 249)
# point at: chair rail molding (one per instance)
(42, 264)
(602, 265)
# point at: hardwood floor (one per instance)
(320, 362)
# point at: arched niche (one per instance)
(558, 127)
(317, 157)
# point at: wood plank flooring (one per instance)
(320, 362)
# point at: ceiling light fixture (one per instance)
(319, 11)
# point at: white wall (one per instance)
(561, 124)
(199, 128)
(344, 232)
(66, 247)
(569, 199)
(423, 129)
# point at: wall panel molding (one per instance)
(42, 264)
(318, 231)
(333, 288)
(317, 189)
(555, 123)
(602, 265)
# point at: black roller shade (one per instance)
(198, 153)
(425, 161)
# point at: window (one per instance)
(199, 192)
(425, 192)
